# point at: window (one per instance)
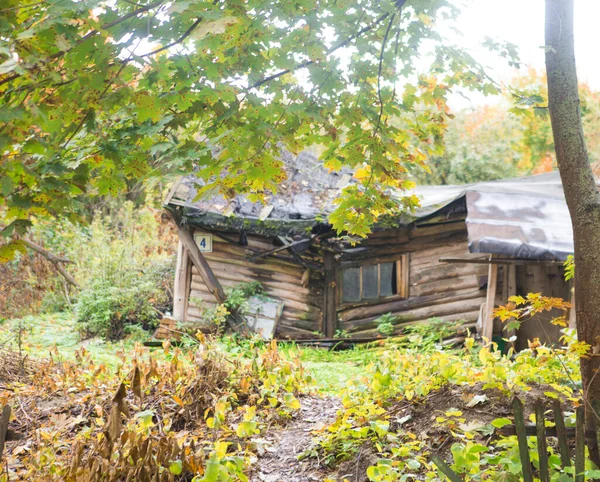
(372, 281)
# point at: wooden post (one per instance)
(579, 444)
(490, 301)
(329, 296)
(522, 439)
(510, 289)
(540, 425)
(572, 317)
(180, 293)
(561, 434)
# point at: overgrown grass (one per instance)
(54, 335)
(57, 335)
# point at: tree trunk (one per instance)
(580, 189)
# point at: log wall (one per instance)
(282, 276)
(451, 292)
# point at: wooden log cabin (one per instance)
(460, 255)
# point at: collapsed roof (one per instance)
(526, 218)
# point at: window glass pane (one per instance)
(369, 282)
(387, 279)
(351, 284)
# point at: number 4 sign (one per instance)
(204, 242)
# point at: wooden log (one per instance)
(401, 307)
(237, 278)
(253, 272)
(273, 289)
(433, 253)
(196, 312)
(439, 272)
(303, 324)
(204, 296)
(290, 331)
(397, 233)
(522, 440)
(432, 229)
(542, 445)
(561, 434)
(444, 243)
(468, 319)
(490, 302)
(292, 314)
(294, 270)
(440, 286)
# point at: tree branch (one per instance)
(383, 42)
(57, 261)
(86, 36)
(306, 63)
(185, 35)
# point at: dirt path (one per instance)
(280, 463)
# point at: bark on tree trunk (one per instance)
(580, 188)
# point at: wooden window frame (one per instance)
(402, 280)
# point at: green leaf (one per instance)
(176, 467)
(501, 422)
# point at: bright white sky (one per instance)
(522, 23)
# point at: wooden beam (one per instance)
(179, 290)
(329, 296)
(206, 273)
(572, 317)
(490, 301)
(510, 289)
(488, 260)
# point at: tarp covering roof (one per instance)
(525, 218)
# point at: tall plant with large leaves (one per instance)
(96, 93)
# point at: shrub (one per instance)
(125, 271)
(385, 324)
(110, 310)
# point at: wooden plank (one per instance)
(561, 434)
(329, 296)
(579, 444)
(542, 446)
(487, 330)
(522, 439)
